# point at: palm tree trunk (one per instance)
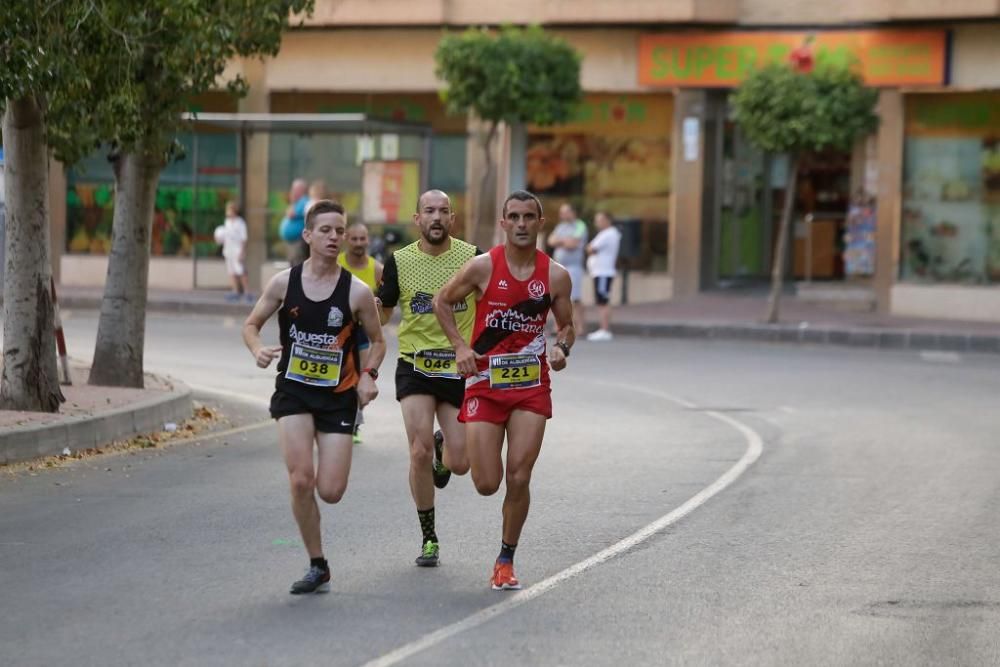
(778, 265)
(121, 330)
(30, 378)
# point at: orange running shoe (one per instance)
(503, 577)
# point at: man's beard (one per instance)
(435, 241)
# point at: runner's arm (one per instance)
(379, 270)
(562, 309)
(473, 277)
(266, 306)
(363, 304)
(388, 289)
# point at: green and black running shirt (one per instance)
(410, 279)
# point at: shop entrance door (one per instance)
(737, 207)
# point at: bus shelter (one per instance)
(375, 167)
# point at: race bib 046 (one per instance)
(515, 371)
(314, 366)
(436, 363)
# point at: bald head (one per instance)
(299, 188)
(357, 240)
(433, 194)
(434, 216)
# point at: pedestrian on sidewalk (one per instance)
(232, 236)
(293, 223)
(320, 384)
(568, 240)
(603, 256)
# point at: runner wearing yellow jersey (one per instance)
(368, 270)
(427, 380)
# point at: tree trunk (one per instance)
(485, 223)
(778, 265)
(30, 376)
(121, 329)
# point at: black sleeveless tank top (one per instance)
(328, 324)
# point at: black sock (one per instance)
(427, 524)
(320, 563)
(506, 552)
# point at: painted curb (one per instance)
(148, 416)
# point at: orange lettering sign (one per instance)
(723, 59)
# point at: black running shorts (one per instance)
(409, 382)
(332, 413)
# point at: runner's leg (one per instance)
(524, 442)
(455, 457)
(296, 434)
(418, 418)
(483, 442)
(334, 465)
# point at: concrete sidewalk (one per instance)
(93, 417)
(734, 315)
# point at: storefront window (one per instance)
(614, 156)
(183, 216)
(951, 188)
(336, 159)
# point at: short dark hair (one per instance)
(321, 206)
(607, 215)
(522, 195)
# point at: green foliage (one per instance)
(517, 75)
(46, 53)
(122, 72)
(785, 111)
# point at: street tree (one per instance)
(514, 75)
(793, 108)
(168, 52)
(50, 75)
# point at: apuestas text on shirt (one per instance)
(313, 339)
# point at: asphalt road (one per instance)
(695, 503)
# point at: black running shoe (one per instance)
(429, 555)
(441, 474)
(317, 580)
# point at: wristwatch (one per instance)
(561, 344)
(373, 372)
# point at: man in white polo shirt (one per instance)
(603, 255)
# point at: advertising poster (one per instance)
(389, 191)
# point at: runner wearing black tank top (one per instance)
(320, 384)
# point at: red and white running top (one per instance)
(510, 327)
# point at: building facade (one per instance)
(911, 216)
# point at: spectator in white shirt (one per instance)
(232, 236)
(603, 255)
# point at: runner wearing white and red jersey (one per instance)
(508, 392)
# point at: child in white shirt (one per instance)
(232, 236)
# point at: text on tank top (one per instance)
(318, 346)
(510, 326)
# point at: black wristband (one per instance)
(563, 346)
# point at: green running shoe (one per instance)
(429, 556)
(441, 474)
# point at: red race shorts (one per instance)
(496, 405)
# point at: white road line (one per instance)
(755, 445)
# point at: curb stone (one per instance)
(887, 339)
(86, 432)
